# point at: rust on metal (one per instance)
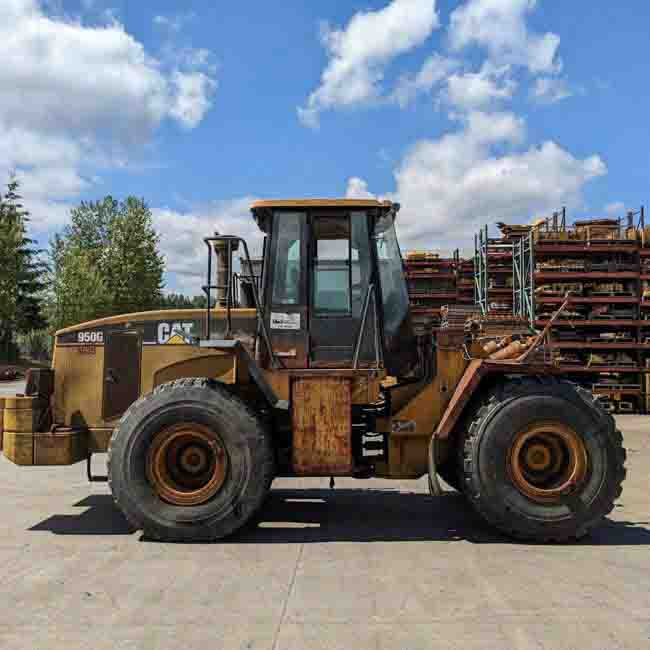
(510, 351)
(463, 393)
(187, 464)
(322, 425)
(547, 461)
(542, 336)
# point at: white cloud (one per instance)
(46, 214)
(484, 171)
(550, 90)
(76, 97)
(20, 145)
(359, 53)
(616, 209)
(53, 183)
(500, 27)
(493, 128)
(175, 22)
(479, 90)
(433, 71)
(192, 100)
(176, 52)
(358, 189)
(195, 58)
(479, 174)
(182, 238)
(64, 76)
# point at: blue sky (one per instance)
(466, 112)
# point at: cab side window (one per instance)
(332, 266)
(288, 243)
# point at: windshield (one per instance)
(398, 334)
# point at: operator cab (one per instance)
(333, 288)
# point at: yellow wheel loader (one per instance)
(319, 374)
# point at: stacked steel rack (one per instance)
(599, 342)
(435, 282)
(431, 281)
(465, 280)
(602, 340)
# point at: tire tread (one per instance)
(260, 434)
(516, 387)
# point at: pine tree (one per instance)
(21, 279)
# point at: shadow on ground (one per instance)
(99, 517)
(345, 515)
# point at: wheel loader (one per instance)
(313, 370)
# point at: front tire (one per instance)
(190, 462)
(542, 461)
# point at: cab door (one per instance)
(285, 308)
(339, 282)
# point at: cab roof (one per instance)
(320, 203)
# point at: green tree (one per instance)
(175, 301)
(89, 226)
(22, 276)
(131, 263)
(180, 301)
(106, 261)
(78, 289)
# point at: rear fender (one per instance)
(245, 369)
(230, 364)
(219, 366)
(465, 390)
(477, 376)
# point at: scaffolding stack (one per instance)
(465, 280)
(497, 289)
(431, 282)
(602, 340)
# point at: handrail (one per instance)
(362, 327)
(229, 240)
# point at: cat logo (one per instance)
(174, 333)
(176, 339)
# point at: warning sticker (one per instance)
(285, 321)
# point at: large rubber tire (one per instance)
(245, 439)
(509, 410)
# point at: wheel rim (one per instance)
(547, 461)
(187, 464)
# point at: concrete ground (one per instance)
(372, 564)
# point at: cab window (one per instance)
(288, 227)
(395, 300)
(332, 266)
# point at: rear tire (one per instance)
(190, 462)
(542, 461)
